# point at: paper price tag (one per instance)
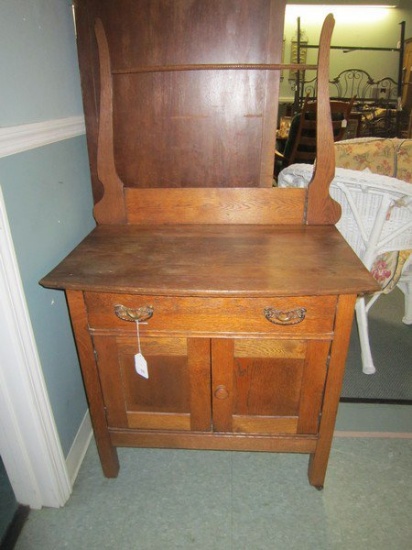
(140, 365)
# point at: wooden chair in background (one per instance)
(301, 143)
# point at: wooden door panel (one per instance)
(172, 398)
(268, 386)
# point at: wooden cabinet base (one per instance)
(217, 442)
(255, 366)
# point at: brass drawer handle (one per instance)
(139, 314)
(279, 317)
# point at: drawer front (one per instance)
(307, 315)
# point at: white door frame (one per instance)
(29, 444)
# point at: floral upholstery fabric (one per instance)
(404, 160)
(389, 157)
(376, 155)
(387, 269)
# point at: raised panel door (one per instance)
(268, 386)
(176, 394)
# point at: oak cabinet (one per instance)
(240, 296)
(241, 358)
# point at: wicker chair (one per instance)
(377, 222)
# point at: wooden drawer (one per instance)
(307, 316)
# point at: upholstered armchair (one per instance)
(376, 221)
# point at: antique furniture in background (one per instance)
(239, 296)
(407, 85)
(376, 103)
(300, 144)
(379, 100)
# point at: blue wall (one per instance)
(47, 190)
(40, 77)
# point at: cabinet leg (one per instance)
(319, 459)
(318, 463)
(108, 458)
(107, 452)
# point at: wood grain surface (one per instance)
(221, 260)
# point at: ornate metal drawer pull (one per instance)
(279, 317)
(139, 314)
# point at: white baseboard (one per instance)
(16, 139)
(79, 447)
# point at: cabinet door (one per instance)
(176, 396)
(268, 386)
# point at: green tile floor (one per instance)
(176, 499)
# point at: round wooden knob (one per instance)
(221, 392)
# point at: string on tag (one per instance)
(138, 337)
(140, 363)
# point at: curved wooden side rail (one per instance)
(320, 207)
(111, 208)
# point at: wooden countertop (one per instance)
(213, 260)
